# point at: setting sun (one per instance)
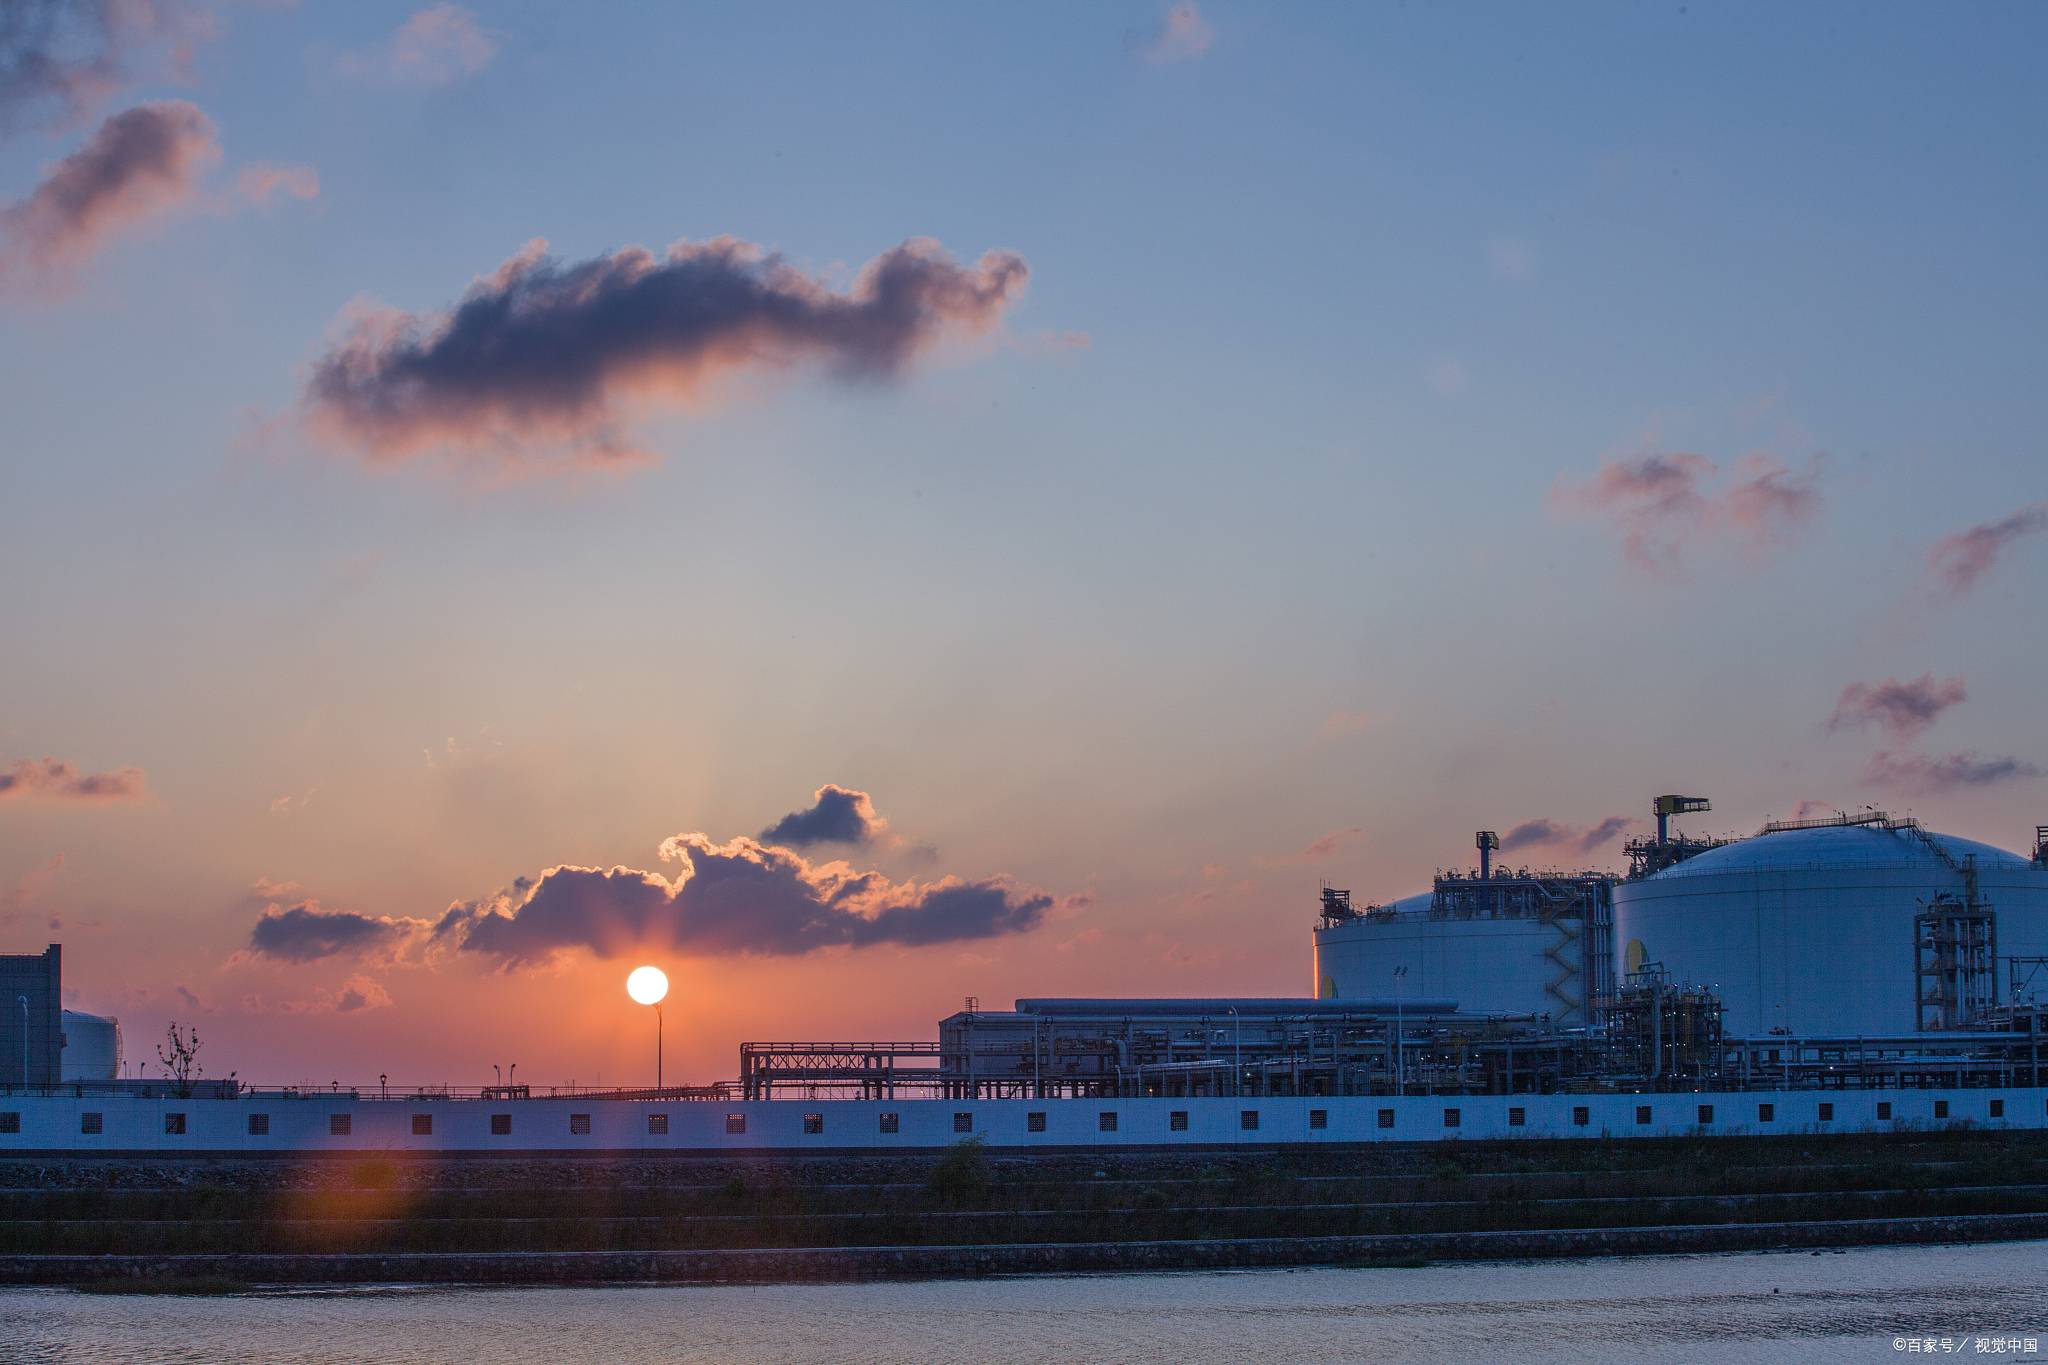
(647, 985)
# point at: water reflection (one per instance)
(1774, 1307)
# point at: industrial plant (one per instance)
(1852, 973)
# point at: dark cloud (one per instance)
(56, 780)
(1958, 561)
(141, 164)
(60, 59)
(836, 815)
(360, 993)
(1924, 774)
(542, 357)
(1551, 834)
(733, 898)
(1902, 709)
(307, 933)
(1661, 504)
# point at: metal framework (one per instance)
(868, 1071)
(1661, 1032)
(1657, 1037)
(1955, 958)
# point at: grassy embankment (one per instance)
(971, 1197)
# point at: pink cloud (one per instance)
(739, 897)
(1318, 849)
(1330, 843)
(1902, 709)
(260, 183)
(440, 44)
(1960, 560)
(1661, 504)
(356, 993)
(1339, 724)
(1183, 35)
(29, 887)
(142, 164)
(1926, 775)
(435, 46)
(52, 779)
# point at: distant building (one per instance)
(31, 1017)
(92, 1047)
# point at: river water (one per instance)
(1772, 1307)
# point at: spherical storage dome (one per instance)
(1844, 846)
(1811, 931)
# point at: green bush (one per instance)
(961, 1175)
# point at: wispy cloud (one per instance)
(292, 803)
(53, 779)
(1922, 774)
(140, 166)
(1339, 724)
(1183, 35)
(1551, 834)
(1319, 849)
(1959, 561)
(1446, 375)
(1661, 504)
(542, 358)
(357, 993)
(1511, 259)
(29, 887)
(263, 182)
(1902, 709)
(740, 897)
(61, 60)
(436, 46)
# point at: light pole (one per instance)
(22, 1000)
(1400, 1074)
(1237, 1048)
(649, 986)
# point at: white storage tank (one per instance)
(92, 1047)
(1811, 930)
(1495, 960)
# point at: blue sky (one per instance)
(1289, 547)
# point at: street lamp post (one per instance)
(1237, 1049)
(649, 986)
(1400, 1072)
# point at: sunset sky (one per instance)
(863, 506)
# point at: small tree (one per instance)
(961, 1176)
(179, 1052)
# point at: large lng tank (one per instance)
(1498, 942)
(1857, 926)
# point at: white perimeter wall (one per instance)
(305, 1124)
